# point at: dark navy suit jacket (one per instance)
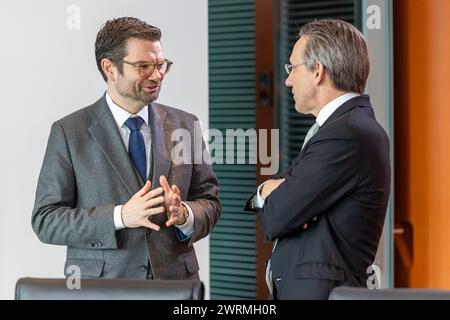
(342, 176)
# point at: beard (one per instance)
(136, 91)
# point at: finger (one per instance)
(173, 214)
(146, 188)
(174, 209)
(163, 182)
(175, 200)
(154, 193)
(153, 202)
(305, 226)
(150, 225)
(171, 221)
(153, 211)
(176, 190)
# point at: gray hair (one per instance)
(341, 49)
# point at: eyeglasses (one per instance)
(290, 67)
(147, 69)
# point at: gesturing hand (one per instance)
(176, 211)
(141, 206)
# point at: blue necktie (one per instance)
(136, 146)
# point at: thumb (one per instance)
(170, 222)
(146, 188)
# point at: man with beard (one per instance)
(108, 189)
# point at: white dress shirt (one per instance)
(323, 116)
(120, 116)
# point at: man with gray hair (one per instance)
(326, 213)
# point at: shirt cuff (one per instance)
(188, 227)
(259, 201)
(118, 224)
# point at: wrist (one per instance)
(117, 217)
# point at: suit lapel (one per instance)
(161, 130)
(105, 132)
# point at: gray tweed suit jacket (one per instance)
(87, 171)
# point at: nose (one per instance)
(288, 81)
(156, 75)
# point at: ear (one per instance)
(109, 69)
(319, 73)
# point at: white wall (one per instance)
(49, 71)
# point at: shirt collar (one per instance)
(333, 105)
(121, 115)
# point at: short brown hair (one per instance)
(342, 50)
(113, 35)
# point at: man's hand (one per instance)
(270, 186)
(176, 211)
(142, 205)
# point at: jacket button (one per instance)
(143, 268)
(94, 244)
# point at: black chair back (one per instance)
(352, 293)
(109, 289)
